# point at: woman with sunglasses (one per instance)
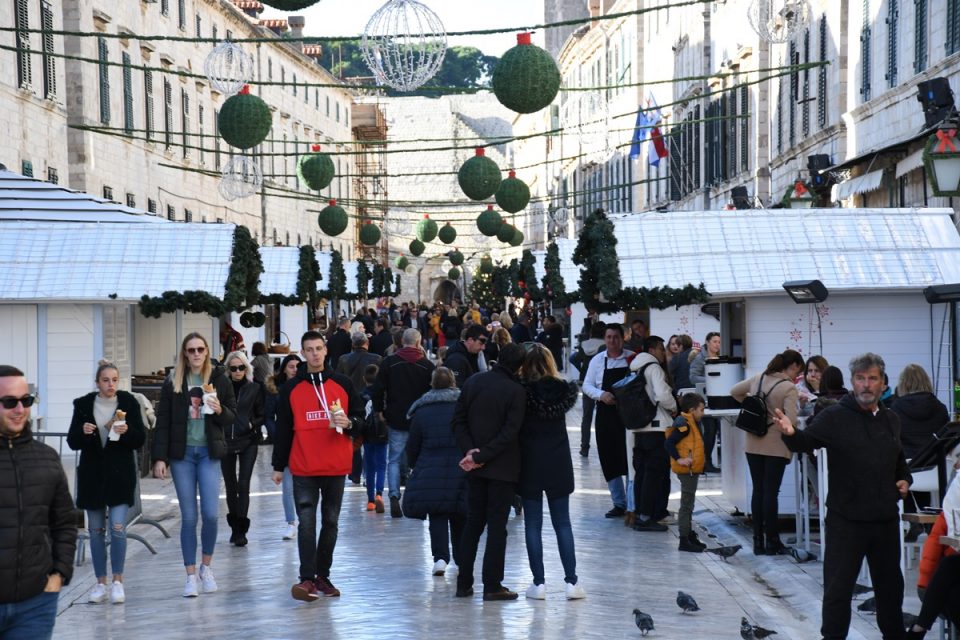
(242, 437)
(193, 446)
(107, 473)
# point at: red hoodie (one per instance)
(318, 449)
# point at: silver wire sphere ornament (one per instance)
(228, 68)
(775, 20)
(396, 224)
(404, 44)
(240, 178)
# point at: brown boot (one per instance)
(629, 518)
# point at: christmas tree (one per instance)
(481, 290)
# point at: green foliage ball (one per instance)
(447, 234)
(454, 274)
(513, 195)
(416, 247)
(489, 223)
(333, 219)
(517, 238)
(526, 79)
(426, 230)
(290, 5)
(259, 319)
(455, 257)
(244, 121)
(486, 264)
(246, 319)
(506, 232)
(316, 170)
(369, 234)
(479, 177)
(402, 263)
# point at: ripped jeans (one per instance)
(97, 527)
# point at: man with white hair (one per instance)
(403, 377)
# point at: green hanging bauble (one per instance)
(426, 229)
(513, 194)
(402, 263)
(489, 222)
(416, 247)
(447, 234)
(315, 169)
(486, 264)
(244, 120)
(479, 177)
(517, 239)
(332, 219)
(259, 319)
(290, 5)
(506, 232)
(526, 79)
(455, 257)
(369, 234)
(454, 274)
(246, 319)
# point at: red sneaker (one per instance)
(378, 501)
(326, 588)
(371, 506)
(305, 591)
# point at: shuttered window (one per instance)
(148, 104)
(822, 75)
(22, 18)
(216, 140)
(184, 121)
(919, 35)
(127, 93)
(696, 139)
(165, 7)
(805, 98)
(780, 90)
(865, 51)
(104, 80)
(953, 27)
(200, 131)
(893, 19)
(794, 93)
(744, 128)
(167, 112)
(730, 125)
(182, 14)
(49, 61)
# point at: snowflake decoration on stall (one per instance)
(404, 44)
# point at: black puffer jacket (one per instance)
(399, 383)
(170, 436)
(38, 533)
(545, 465)
(437, 485)
(106, 475)
(921, 416)
(245, 430)
(463, 363)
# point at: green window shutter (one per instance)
(127, 93)
(805, 99)
(49, 61)
(148, 103)
(104, 80)
(22, 18)
(920, 35)
(865, 51)
(893, 19)
(744, 128)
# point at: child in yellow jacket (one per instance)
(685, 445)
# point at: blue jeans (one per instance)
(97, 527)
(374, 468)
(533, 524)
(398, 444)
(31, 619)
(197, 471)
(289, 507)
(617, 492)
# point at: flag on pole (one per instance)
(656, 148)
(640, 131)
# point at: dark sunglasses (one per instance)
(241, 367)
(193, 350)
(10, 402)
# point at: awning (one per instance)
(861, 184)
(899, 145)
(911, 162)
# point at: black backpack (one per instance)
(633, 402)
(753, 416)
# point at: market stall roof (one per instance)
(23, 198)
(281, 268)
(69, 262)
(736, 253)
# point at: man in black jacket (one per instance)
(36, 512)
(487, 423)
(338, 344)
(382, 339)
(868, 476)
(463, 357)
(552, 338)
(403, 377)
(354, 363)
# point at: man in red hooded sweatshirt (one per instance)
(318, 412)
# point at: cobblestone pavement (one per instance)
(382, 566)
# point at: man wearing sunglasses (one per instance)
(465, 357)
(36, 557)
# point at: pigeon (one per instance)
(686, 602)
(725, 552)
(868, 606)
(859, 589)
(801, 555)
(753, 632)
(644, 621)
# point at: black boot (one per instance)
(232, 523)
(758, 548)
(776, 548)
(695, 540)
(240, 535)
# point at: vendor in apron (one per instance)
(606, 369)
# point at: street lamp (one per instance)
(941, 157)
(942, 293)
(800, 197)
(806, 291)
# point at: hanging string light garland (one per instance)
(404, 44)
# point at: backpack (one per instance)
(633, 402)
(753, 416)
(374, 430)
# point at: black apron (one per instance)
(611, 434)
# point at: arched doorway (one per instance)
(447, 292)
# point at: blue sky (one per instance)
(349, 17)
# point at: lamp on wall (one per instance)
(806, 291)
(940, 293)
(941, 157)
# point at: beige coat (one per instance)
(783, 397)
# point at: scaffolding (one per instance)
(370, 183)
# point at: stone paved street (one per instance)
(382, 566)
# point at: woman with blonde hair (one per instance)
(545, 466)
(243, 438)
(107, 428)
(921, 413)
(189, 438)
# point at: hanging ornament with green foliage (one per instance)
(402, 262)
(316, 169)
(517, 238)
(506, 232)
(244, 120)
(455, 258)
(479, 177)
(447, 234)
(333, 219)
(259, 319)
(369, 234)
(489, 222)
(526, 79)
(426, 229)
(513, 194)
(486, 264)
(416, 247)
(289, 5)
(454, 274)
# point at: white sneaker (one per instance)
(439, 567)
(537, 592)
(575, 591)
(291, 532)
(453, 570)
(207, 579)
(117, 596)
(98, 594)
(190, 588)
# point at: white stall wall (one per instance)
(70, 361)
(687, 320)
(18, 335)
(155, 342)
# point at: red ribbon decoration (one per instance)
(799, 189)
(946, 136)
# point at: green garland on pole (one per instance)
(363, 278)
(338, 277)
(554, 288)
(500, 278)
(528, 275)
(596, 253)
(396, 286)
